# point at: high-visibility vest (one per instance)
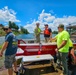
(46, 32)
(37, 31)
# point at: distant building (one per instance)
(72, 31)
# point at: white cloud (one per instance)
(66, 20)
(51, 20)
(31, 26)
(8, 15)
(51, 11)
(46, 17)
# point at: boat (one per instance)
(35, 48)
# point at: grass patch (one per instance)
(1, 59)
(0, 46)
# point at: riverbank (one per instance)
(2, 33)
(0, 46)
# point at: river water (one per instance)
(1, 40)
(24, 36)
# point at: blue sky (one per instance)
(27, 12)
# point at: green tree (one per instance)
(23, 30)
(55, 32)
(10, 24)
(1, 25)
(17, 27)
(13, 25)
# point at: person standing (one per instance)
(47, 33)
(62, 46)
(10, 48)
(37, 32)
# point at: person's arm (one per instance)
(50, 34)
(3, 48)
(42, 32)
(62, 44)
(35, 32)
(54, 38)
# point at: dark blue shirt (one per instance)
(12, 44)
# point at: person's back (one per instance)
(63, 36)
(12, 45)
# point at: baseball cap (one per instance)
(37, 23)
(46, 24)
(61, 26)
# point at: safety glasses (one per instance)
(5, 29)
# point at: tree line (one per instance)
(15, 27)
